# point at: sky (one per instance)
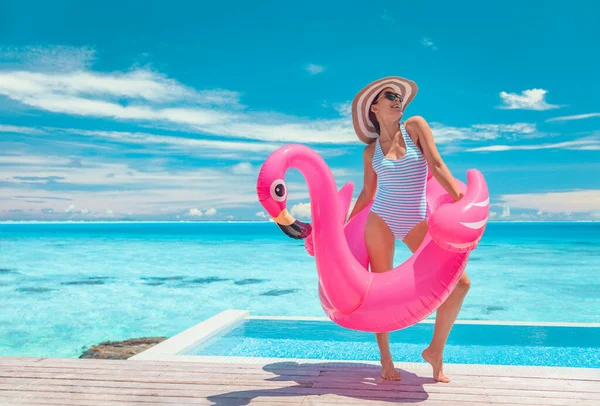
(155, 111)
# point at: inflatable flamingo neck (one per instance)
(344, 285)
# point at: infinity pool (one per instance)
(497, 344)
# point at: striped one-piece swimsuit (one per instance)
(400, 200)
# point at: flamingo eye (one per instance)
(278, 190)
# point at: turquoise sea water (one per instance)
(65, 287)
(564, 346)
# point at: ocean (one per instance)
(67, 286)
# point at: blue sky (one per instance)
(165, 110)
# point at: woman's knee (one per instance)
(464, 284)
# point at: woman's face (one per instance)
(388, 105)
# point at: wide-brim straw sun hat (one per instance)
(361, 104)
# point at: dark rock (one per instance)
(89, 282)
(490, 309)
(209, 279)
(34, 290)
(249, 281)
(121, 349)
(279, 292)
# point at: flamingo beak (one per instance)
(291, 227)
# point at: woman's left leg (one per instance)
(446, 314)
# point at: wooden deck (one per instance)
(55, 381)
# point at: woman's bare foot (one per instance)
(389, 372)
(435, 359)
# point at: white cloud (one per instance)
(301, 210)
(505, 210)
(387, 17)
(532, 99)
(555, 202)
(428, 43)
(94, 94)
(151, 98)
(138, 84)
(345, 109)
(243, 168)
(109, 212)
(211, 212)
(70, 209)
(56, 58)
(494, 129)
(106, 109)
(591, 143)
(481, 132)
(195, 212)
(575, 117)
(20, 130)
(314, 69)
(261, 214)
(183, 143)
(145, 193)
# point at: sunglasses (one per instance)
(392, 96)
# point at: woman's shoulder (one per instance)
(416, 126)
(369, 151)
(415, 121)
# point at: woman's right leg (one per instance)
(381, 245)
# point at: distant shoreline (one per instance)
(241, 221)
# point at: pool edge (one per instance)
(432, 321)
(194, 335)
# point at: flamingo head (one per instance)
(272, 194)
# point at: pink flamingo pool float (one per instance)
(350, 294)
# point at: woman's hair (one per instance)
(373, 119)
(372, 116)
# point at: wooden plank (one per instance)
(104, 399)
(18, 360)
(456, 389)
(216, 376)
(284, 367)
(318, 401)
(539, 401)
(182, 367)
(247, 392)
(157, 378)
(107, 383)
(8, 401)
(451, 399)
(222, 392)
(240, 392)
(493, 371)
(7, 382)
(585, 386)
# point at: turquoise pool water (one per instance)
(467, 344)
(65, 287)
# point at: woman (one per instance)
(396, 161)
